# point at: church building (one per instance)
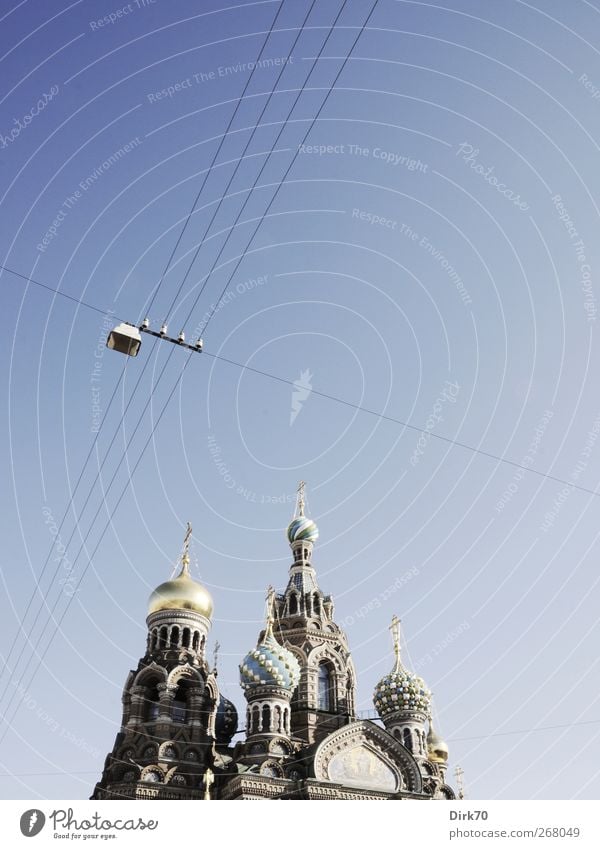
(302, 738)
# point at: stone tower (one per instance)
(166, 741)
(404, 705)
(324, 699)
(268, 675)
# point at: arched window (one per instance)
(174, 637)
(196, 640)
(163, 638)
(266, 718)
(325, 688)
(179, 710)
(349, 695)
(151, 702)
(316, 605)
(408, 739)
(185, 641)
(277, 719)
(293, 604)
(255, 718)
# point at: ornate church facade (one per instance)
(302, 737)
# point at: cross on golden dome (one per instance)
(185, 555)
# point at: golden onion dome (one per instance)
(181, 593)
(437, 749)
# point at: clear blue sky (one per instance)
(440, 231)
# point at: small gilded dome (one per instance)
(270, 663)
(302, 528)
(401, 690)
(226, 721)
(181, 593)
(437, 749)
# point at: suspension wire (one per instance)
(124, 454)
(39, 579)
(289, 168)
(37, 588)
(162, 411)
(295, 156)
(20, 627)
(210, 168)
(243, 367)
(54, 291)
(119, 424)
(241, 159)
(137, 464)
(58, 623)
(499, 458)
(448, 739)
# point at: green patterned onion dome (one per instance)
(401, 690)
(302, 528)
(270, 663)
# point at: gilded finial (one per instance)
(209, 780)
(460, 781)
(395, 629)
(185, 555)
(270, 611)
(300, 499)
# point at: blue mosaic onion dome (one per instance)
(401, 690)
(270, 663)
(302, 528)
(226, 721)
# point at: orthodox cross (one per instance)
(185, 556)
(395, 629)
(301, 499)
(270, 609)
(460, 783)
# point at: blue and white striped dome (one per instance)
(270, 663)
(302, 528)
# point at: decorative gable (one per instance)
(362, 754)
